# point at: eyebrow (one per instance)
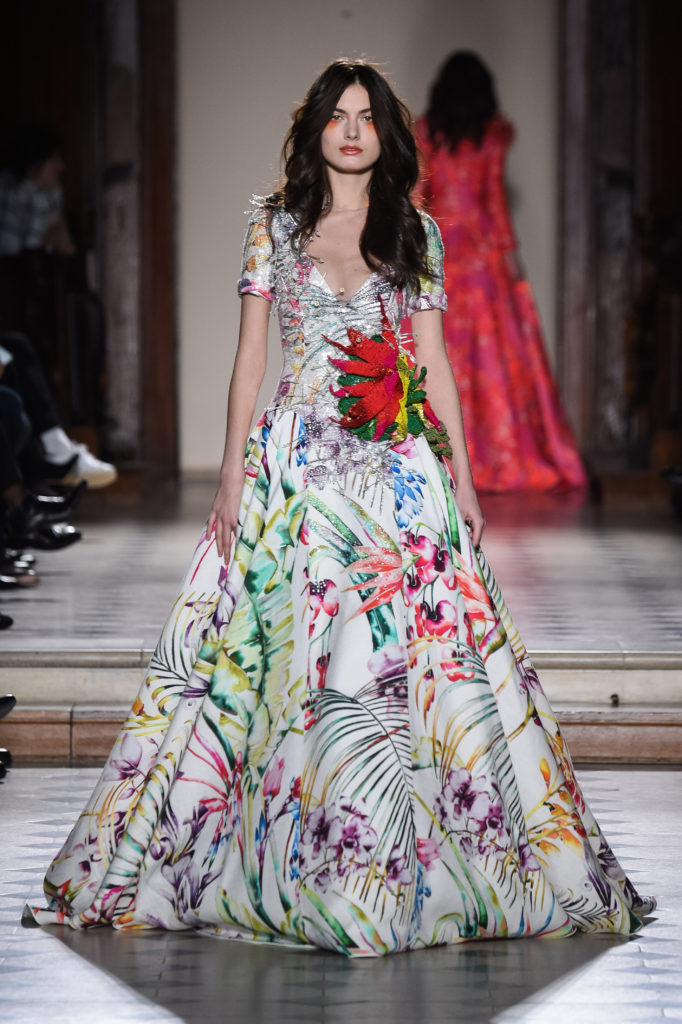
(365, 110)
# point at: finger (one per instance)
(472, 527)
(219, 537)
(210, 525)
(228, 543)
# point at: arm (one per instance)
(443, 395)
(247, 376)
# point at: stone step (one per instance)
(83, 734)
(92, 677)
(634, 734)
(613, 706)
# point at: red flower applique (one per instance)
(380, 390)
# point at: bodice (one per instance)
(315, 325)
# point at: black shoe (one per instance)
(5, 757)
(36, 467)
(28, 526)
(52, 536)
(58, 507)
(15, 555)
(17, 574)
(5, 621)
(14, 566)
(7, 702)
(17, 569)
(3, 772)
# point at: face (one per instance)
(349, 142)
(48, 175)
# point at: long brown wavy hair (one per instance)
(393, 238)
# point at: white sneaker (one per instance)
(86, 467)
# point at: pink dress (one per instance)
(516, 429)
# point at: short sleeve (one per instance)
(431, 289)
(257, 263)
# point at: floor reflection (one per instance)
(68, 977)
(262, 985)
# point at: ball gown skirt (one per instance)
(517, 432)
(340, 741)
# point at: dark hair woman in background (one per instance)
(516, 430)
(340, 741)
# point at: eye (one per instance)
(368, 118)
(335, 117)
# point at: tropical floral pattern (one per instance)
(340, 740)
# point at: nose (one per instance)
(352, 128)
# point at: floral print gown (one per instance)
(517, 433)
(340, 741)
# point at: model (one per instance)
(517, 433)
(340, 741)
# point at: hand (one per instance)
(471, 511)
(224, 515)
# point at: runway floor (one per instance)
(576, 577)
(70, 977)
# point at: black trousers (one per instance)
(10, 474)
(25, 375)
(14, 420)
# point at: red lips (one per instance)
(351, 150)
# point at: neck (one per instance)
(349, 191)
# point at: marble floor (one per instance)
(576, 577)
(70, 977)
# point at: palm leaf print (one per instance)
(363, 754)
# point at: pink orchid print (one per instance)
(428, 852)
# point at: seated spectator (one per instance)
(27, 517)
(72, 463)
(29, 520)
(44, 287)
(31, 198)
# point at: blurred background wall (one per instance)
(172, 113)
(241, 70)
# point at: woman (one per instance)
(517, 433)
(340, 741)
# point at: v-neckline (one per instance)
(328, 288)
